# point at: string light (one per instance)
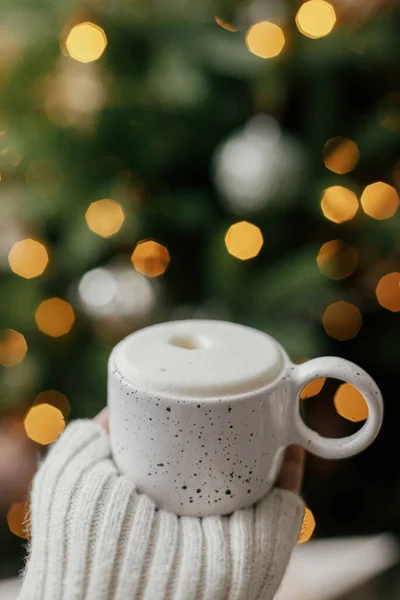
(307, 527)
(225, 25)
(44, 423)
(28, 258)
(105, 217)
(13, 348)
(340, 155)
(18, 519)
(244, 240)
(380, 200)
(150, 258)
(388, 291)
(265, 39)
(316, 18)
(86, 42)
(339, 204)
(337, 259)
(56, 399)
(55, 317)
(342, 320)
(350, 403)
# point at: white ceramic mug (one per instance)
(201, 412)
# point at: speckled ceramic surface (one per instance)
(201, 412)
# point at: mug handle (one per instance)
(339, 368)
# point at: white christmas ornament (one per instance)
(116, 293)
(74, 94)
(257, 165)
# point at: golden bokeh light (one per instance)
(337, 259)
(150, 258)
(388, 291)
(316, 18)
(55, 317)
(340, 155)
(307, 527)
(18, 519)
(28, 258)
(44, 423)
(265, 39)
(380, 200)
(56, 399)
(225, 25)
(105, 217)
(339, 204)
(13, 348)
(350, 403)
(244, 240)
(86, 42)
(312, 388)
(342, 320)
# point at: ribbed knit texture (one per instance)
(95, 538)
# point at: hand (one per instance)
(95, 537)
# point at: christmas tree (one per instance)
(232, 160)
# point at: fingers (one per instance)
(102, 418)
(291, 475)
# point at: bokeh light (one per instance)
(380, 200)
(265, 39)
(86, 42)
(28, 258)
(13, 348)
(18, 519)
(244, 240)
(342, 320)
(312, 388)
(388, 291)
(350, 403)
(225, 25)
(307, 527)
(56, 399)
(44, 423)
(339, 204)
(337, 259)
(97, 288)
(55, 317)
(118, 293)
(73, 96)
(340, 155)
(105, 217)
(150, 258)
(316, 18)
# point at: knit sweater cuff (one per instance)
(95, 538)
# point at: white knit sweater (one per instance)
(95, 538)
